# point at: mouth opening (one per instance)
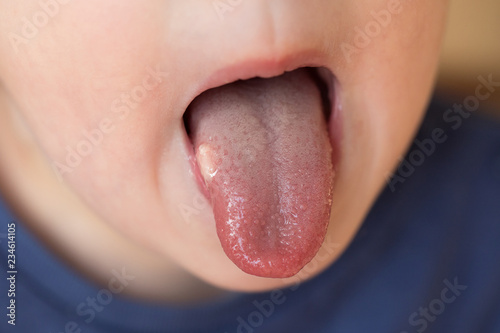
(264, 159)
(321, 76)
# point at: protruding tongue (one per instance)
(263, 150)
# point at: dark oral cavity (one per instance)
(263, 150)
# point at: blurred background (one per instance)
(471, 48)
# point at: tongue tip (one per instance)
(263, 262)
(273, 273)
(269, 269)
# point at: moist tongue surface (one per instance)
(264, 152)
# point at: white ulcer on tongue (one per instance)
(262, 147)
(205, 157)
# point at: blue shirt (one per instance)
(426, 259)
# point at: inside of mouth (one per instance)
(263, 149)
(319, 80)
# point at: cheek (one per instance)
(73, 69)
(383, 90)
(106, 87)
(389, 78)
(99, 99)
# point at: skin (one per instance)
(120, 206)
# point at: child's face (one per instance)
(103, 86)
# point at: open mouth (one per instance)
(264, 159)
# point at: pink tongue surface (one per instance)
(263, 149)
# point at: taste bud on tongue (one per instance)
(263, 149)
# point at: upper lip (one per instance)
(264, 67)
